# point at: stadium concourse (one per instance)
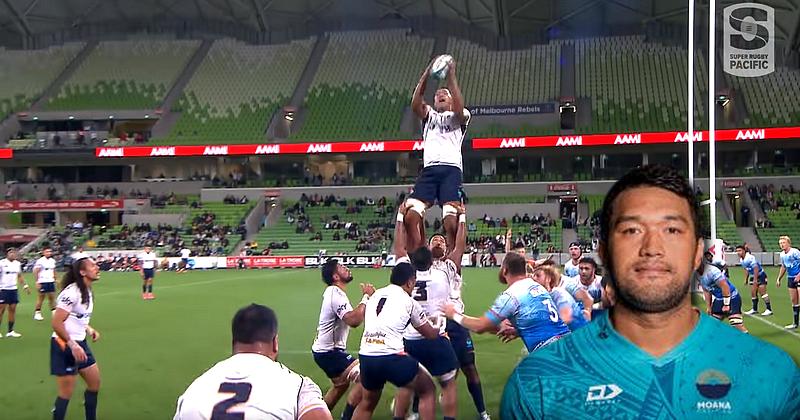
(249, 143)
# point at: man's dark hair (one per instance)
(254, 324)
(401, 273)
(658, 176)
(422, 258)
(515, 264)
(744, 247)
(328, 270)
(588, 260)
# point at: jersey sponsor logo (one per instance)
(628, 139)
(111, 152)
(684, 136)
(162, 151)
(319, 148)
(372, 147)
(509, 143)
(713, 384)
(750, 135)
(602, 393)
(570, 141)
(216, 150)
(268, 149)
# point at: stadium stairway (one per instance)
(567, 237)
(750, 237)
(165, 123)
(68, 71)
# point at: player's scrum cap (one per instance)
(575, 244)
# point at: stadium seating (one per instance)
(124, 75)
(635, 85)
(514, 199)
(363, 85)
(301, 243)
(24, 74)
(236, 90)
(784, 221)
(765, 106)
(514, 77)
(726, 228)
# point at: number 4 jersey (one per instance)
(249, 386)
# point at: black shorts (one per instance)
(436, 355)
(438, 183)
(48, 287)
(61, 361)
(149, 273)
(762, 280)
(461, 341)
(791, 282)
(333, 362)
(9, 297)
(736, 307)
(397, 369)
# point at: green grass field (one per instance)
(151, 350)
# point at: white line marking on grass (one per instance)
(195, 283)
(794, 333)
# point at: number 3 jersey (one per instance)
(434, 289)
(249, 386)
(531, 310)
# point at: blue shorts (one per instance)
(49, 287)
(149, 273)
(736, 307)
(61, 361)
(436, 355)
(461, 341)
(397, 369)
(333, 362)
(438, 183)
(9, 297)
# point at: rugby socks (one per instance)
(476, 390)
(796, 309)
(150, 288)
(449, 418)
(90, 404)
(755, 304)
(144, 288)
(60, 409)
(767, 302)
(415, 404)
(11, 324)
(347, 414)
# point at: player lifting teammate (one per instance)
(44, 271)
(790, 265)
(336, 317)
(756, 277)
(251, 384)
(444, 126)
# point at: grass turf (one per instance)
(151, 350)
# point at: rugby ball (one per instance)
(440, 66)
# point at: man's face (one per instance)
(785, 245)
(438, 246)
(652, 249)
(344, 273)
(575, 252)
(443, 101)
(48, 253)
(541, 278)
(11, 255)
(587, 272)
(740, 252)
(147, 249)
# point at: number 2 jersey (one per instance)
(249, 386)
(531, 310)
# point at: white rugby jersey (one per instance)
(433, 290)
(442, 136)
(332, 331)
(455, 294)
(389, 311)
(47, 270)
(571, 269)
(250, 384)
(79, 313)
(148, 260)
(186, 253)
(9, 274)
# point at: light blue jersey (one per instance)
(749, 263)
(532, 312)
(596, 373)
(563, 299)
(791, 260)
(710, 279)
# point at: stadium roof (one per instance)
(505, 18)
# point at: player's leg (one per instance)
(51, 298)
(795, 304)
(402, 400)
(12, 317)
(735, 314)
(423, 196)
(340, 384)
(91, 375)
(449, 395)
(762, 291)
(753, 296)
(37, 310)
(450, 223)
(65, 385)
(369, 400)
(2, 311)
(475, 389)
(353, 399)
(450, 195)
(423, 386)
